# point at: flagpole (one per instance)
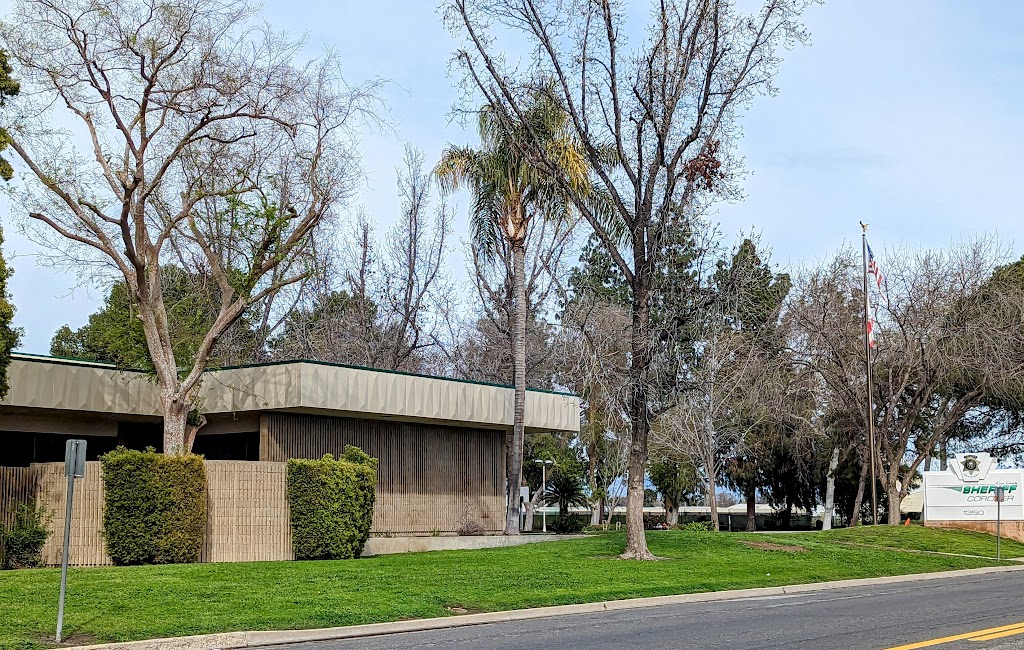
(867, 366)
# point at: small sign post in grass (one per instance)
(999, 497)
(74, 467)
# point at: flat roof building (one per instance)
(439, 441)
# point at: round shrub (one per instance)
(21, 545)
(155, 507)
(331, 504)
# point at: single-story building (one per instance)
(440, 442)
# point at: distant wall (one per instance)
(1009, 529)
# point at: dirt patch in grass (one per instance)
(460, 610)
(68, 641)
(768, 546)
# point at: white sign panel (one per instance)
(967, 491)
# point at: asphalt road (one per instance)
(869, 618)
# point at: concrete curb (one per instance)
(231, 640)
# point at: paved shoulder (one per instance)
(875, 618)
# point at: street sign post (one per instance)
(524, 498)
(1000, 496)
(543, 489)
(74, 467)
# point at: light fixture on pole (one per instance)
(543, 489)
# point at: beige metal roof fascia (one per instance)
(323, 388)
(37, 383)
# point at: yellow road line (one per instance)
(997, 635)
(977, 635)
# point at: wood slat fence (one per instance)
(247, 511)
(17, 486)
(247, 505)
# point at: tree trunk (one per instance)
(595, 503)
(531, 508)
(175, 427)
(893, 493)
(671, 509)
(515, 465)
(751, 509)
(176, 398)
(640, 426)
(830, 489)
(713, 497)
(858, 501)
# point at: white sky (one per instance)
(902, 114)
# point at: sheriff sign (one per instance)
(967, 490)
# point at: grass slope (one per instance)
(126, 603)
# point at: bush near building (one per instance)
(154, 507)
(21, 545)
(331, 504)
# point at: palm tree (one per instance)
(509, 188)
(566, 490)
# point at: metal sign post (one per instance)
(1000, 496)
(74, 467)
(524, 499)
(543, 490)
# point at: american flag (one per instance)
(871, 326)
(876, 270)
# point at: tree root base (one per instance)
(643, 556)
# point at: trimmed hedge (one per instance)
(331, 504)
(21, 545)
(155, 507)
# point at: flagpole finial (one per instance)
(863, 227)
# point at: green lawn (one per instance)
(126, 603)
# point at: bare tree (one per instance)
(195, 136)
(414, 295)
(824, 323)
(593, 353)
(486, 349)
(730, 394)
(387, 310)
(656, 121)
(949, 343)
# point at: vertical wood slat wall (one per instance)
(430, 477)
(247, 511)
(86, 547)
(247, 515)
(17, 486)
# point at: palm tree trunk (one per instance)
(515, 459)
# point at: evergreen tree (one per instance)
(9, 336)
(114, 333)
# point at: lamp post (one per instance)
(544, 488)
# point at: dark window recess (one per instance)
(140, 435)
(23, 449)
(16, 448)
(228, 446)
